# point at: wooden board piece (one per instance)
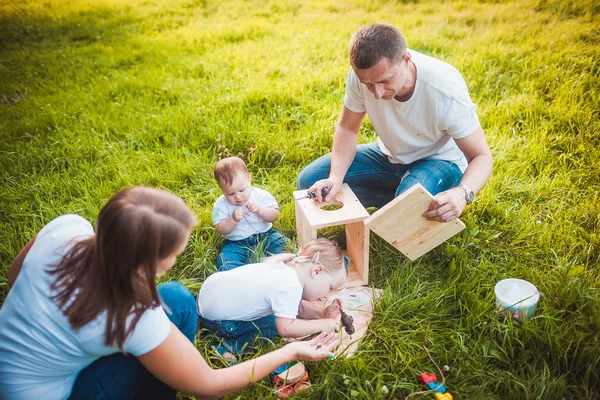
(355, 276)
(357, 243)
(401, 224)
(362, 319)
(306, 233)
(317, 218)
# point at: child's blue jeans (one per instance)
(237, 334)
(121, 376)
(237, 253)
(376, 181)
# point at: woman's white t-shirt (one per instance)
(40, 354)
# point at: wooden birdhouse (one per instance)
(399, 222)
(312, 216)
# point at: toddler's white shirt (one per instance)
(251, 223)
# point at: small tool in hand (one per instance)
(312, 195)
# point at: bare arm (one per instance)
(308, 310)
(295, 328)
(449, 205)
(15, 268)
(342, 153)
(177, 363)
(267, 214)
(228, 225)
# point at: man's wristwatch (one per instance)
(469, 195)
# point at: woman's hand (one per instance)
(333, 310)
(315, 349)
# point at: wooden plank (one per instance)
(357, 242)
(351, 211)
(306, 233)
(362, 316)
(362, 319)
(401, 224)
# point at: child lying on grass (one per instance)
(265, 299)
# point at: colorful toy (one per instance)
(430, 381)
(292, 381)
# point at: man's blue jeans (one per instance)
(237, 253)
(121, 376)
(237, 334)
(376, 181)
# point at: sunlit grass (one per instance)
(97, 96)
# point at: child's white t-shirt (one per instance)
(424, 127)
(250, 292)
(251, 223)
(40, 353)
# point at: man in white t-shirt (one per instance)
(428, 130)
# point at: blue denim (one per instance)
(237, 334)
(376, 181)
(121, 376)
(237, 253)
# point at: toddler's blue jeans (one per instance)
(376, 181)
(121, 376)
(237, 253)
(236, 334)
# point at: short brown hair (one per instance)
(227, 169)
(373, 42)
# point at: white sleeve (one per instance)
(150, 331)
(353, 99)
(220, 212)
(266, 199)
(66, 226)
(285, 301)
(461, 119)
(54, 240)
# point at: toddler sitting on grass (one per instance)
(244, 215)
(265, 299)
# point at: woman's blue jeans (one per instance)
(237, 334)
(376, 181)
(121, 376)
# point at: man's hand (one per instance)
(253, 207)
(447, 206)
(238, 214)
(332, 185)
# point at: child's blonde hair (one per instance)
(322, 251)
(227, 169)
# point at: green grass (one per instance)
(99, 95)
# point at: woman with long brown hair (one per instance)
(84, 319)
